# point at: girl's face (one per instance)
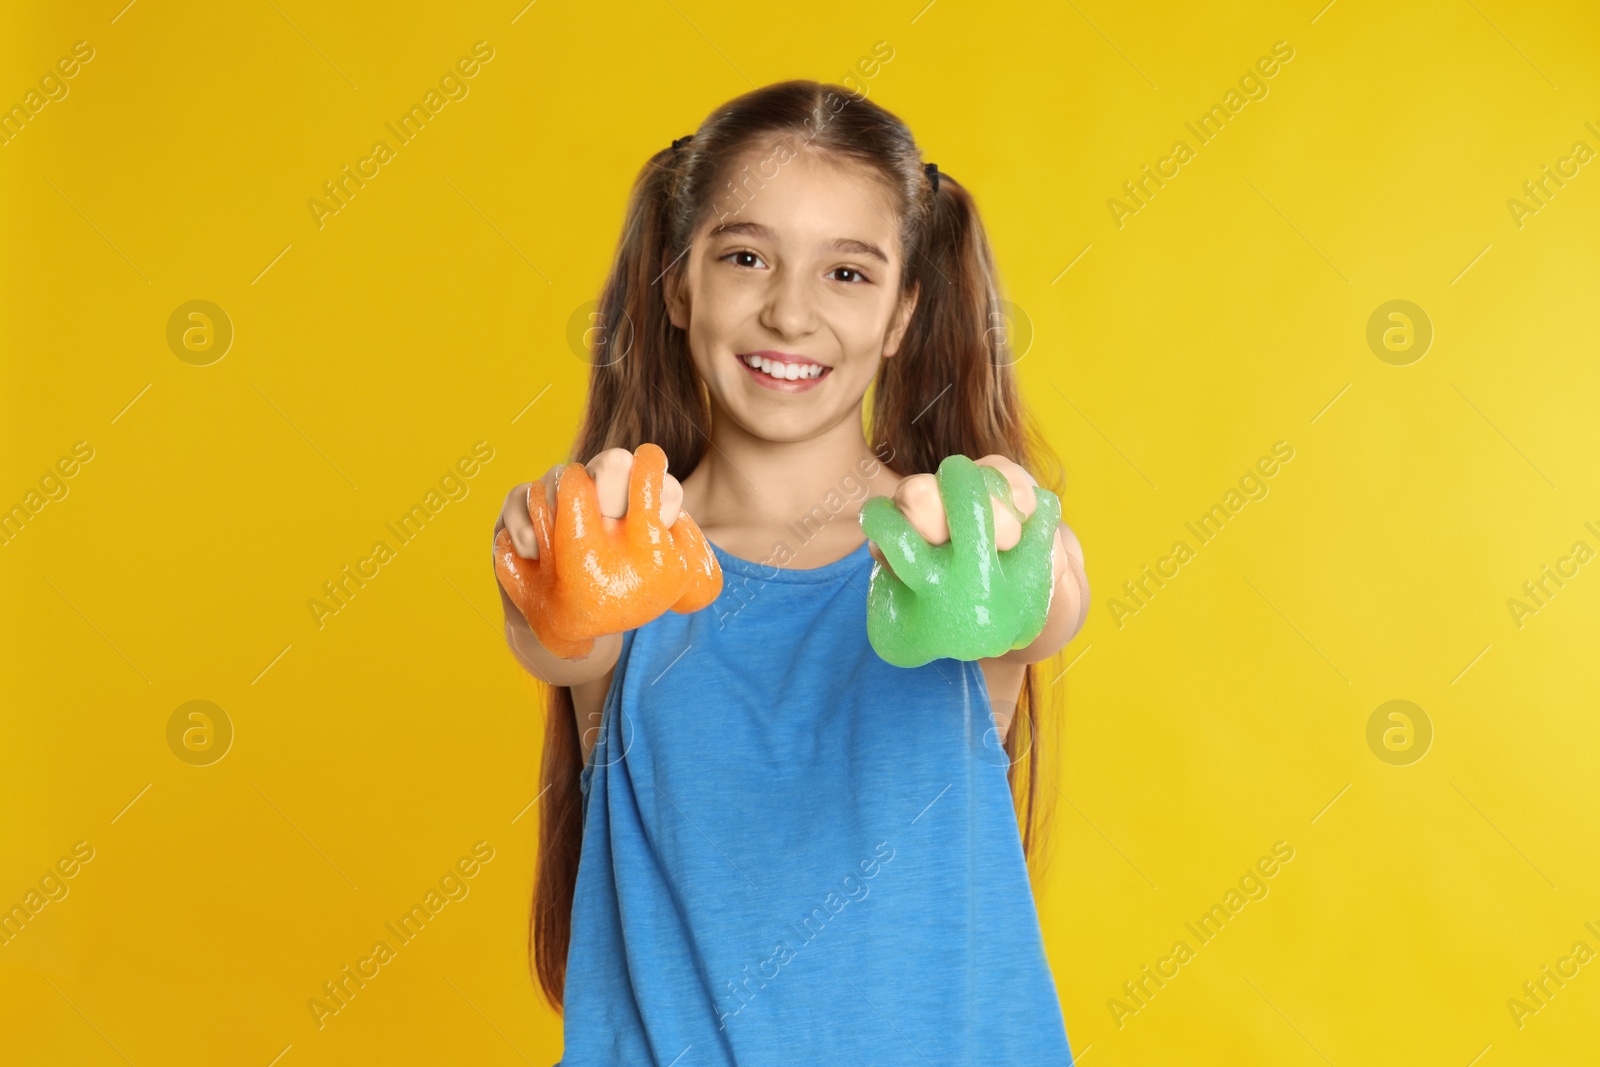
(790, 296)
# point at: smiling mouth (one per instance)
(780, 370)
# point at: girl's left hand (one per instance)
(973, 574)
(918, 499)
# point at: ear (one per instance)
(677, 312)
(902, 319)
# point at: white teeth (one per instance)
(785, 371)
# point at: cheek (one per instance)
(711, 340)
(717, 312)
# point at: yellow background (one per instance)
(370, 354)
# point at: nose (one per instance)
(787, 310)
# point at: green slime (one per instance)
(963, 599)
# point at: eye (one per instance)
(860, 277)
(743, 252)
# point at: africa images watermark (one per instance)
(1212, 123)
(52, 887)
(452, 86)
(338, 992)
(854, 887)
(52, 486)
(1538, 190)
(1537, 993)
(736, 589)
(1538, 592)
(452, 486)
(1252, 886)
(52, 88)
(1252, 486)
(867, 68)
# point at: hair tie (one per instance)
(932, 171)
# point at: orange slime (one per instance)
(597, 575)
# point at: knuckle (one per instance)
(610, 461)
(917, 491)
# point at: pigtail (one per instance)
(642, 385)
(952, 389)
(641, 388)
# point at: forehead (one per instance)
(807, 203)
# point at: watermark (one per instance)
(341, 189)
(1002, 720)
(53, 886)
(337, 993)
(1538, 591)
(341, 590)
(1252, 886)
(52, 88)
(852, 887)
(1399, 332)
(605, 730)
(199, 733)
(1252, 486)
(1538, 991)
(1010, 334)
(868, 67)
(588, 340)
(1252, 85)
(1399, 733)
(199, 333)
(736, 589)
(52, 487)
(1538, 190)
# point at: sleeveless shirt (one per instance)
(796, 853)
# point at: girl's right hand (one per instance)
(623, 552)
(610, 470)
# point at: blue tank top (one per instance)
(796, 853)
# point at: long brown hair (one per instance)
(949, 390)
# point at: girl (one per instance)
(759, 842)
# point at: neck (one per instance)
(747, 486)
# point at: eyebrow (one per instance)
(841, 244)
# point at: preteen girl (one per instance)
(760, 842)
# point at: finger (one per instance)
(516, 523)
(1047, 522)
(1015, 504)
(541, 505)
(610, 469)
(517, 510)
(516, 575)
(645, 483)
(671, 500)
(578, 516)
(968, 509)
(1021, 482)
(917, 497)
(877, 553)
(904, 551)
(1007, 529)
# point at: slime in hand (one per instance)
(963, 599)
(596, 575)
